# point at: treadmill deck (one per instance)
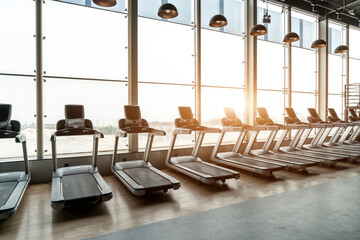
(147, 178)
(79, 186)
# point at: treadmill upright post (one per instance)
(95, 150)
(53, 152)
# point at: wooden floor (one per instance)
(36, 219)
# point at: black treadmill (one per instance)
(294, 148)
(192, 165)
(77, 184)
(292, 161)
(139, 176)
(231, 123)
(12, 184)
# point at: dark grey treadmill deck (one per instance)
(206, 169)
(146, 177)
(338, 151)
(328, 211)
(6, 189)
(256, 164)
(319, 155)
(288, 159)
(79, 186)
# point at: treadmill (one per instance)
(192, 165)
(292, 119)
(139, 176)
(12, 184)
(319, 145)
(353, 117)
(292, 161)
(349, 135)
(77, 184)
(231, 123)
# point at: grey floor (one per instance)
(326, 211)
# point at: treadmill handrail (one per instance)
(182, 131)
(319, 125)
(232, 129)
(76, 132)
(8, 134)
(20, 138)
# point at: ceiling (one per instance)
(333, 9)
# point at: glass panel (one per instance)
(276, 27)
(103, 102)
(274, 103)
(176, 64)
(149, 8)
(159, 106)
(335, 71)
(301, 102)
(303, 25)
(23, 101)
(354, 75)
(270, 64)
(335, 37)
(336, 102)
(231, 9)
(222, 64)
(17, 43)
(87, 43)
(213, 101)
(354, 38)
(119, 7)
(303, 70)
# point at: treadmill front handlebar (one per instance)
(76, 132)
(232, 129)
(182, 131)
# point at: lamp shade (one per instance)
(105, 3)
(167, 10)
(218, 21)
(341, 49)
(291, 37)
(258, 30)
(319, 43)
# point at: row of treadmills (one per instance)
(75, 184)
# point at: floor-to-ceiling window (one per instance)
(354, 55)
(222, 62)
(84, 62)
(271, 62)
(336, 71)
(166, 66)
(303, 64)
(17, 65)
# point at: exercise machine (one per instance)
(139, 176)
(192, 165)
(12, 184)
(82, 183)
(231, 123)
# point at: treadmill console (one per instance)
(187, 119)
(291, 118)
(353, 116)
(8, 128)
(333, 116)
(231, 119)
(314, 117)
(74, 119)
(264, 118)
(133, 123)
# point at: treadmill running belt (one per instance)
(258, 164)
(6, 189)
(146, 178)
(206, 169)
(79, 186)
